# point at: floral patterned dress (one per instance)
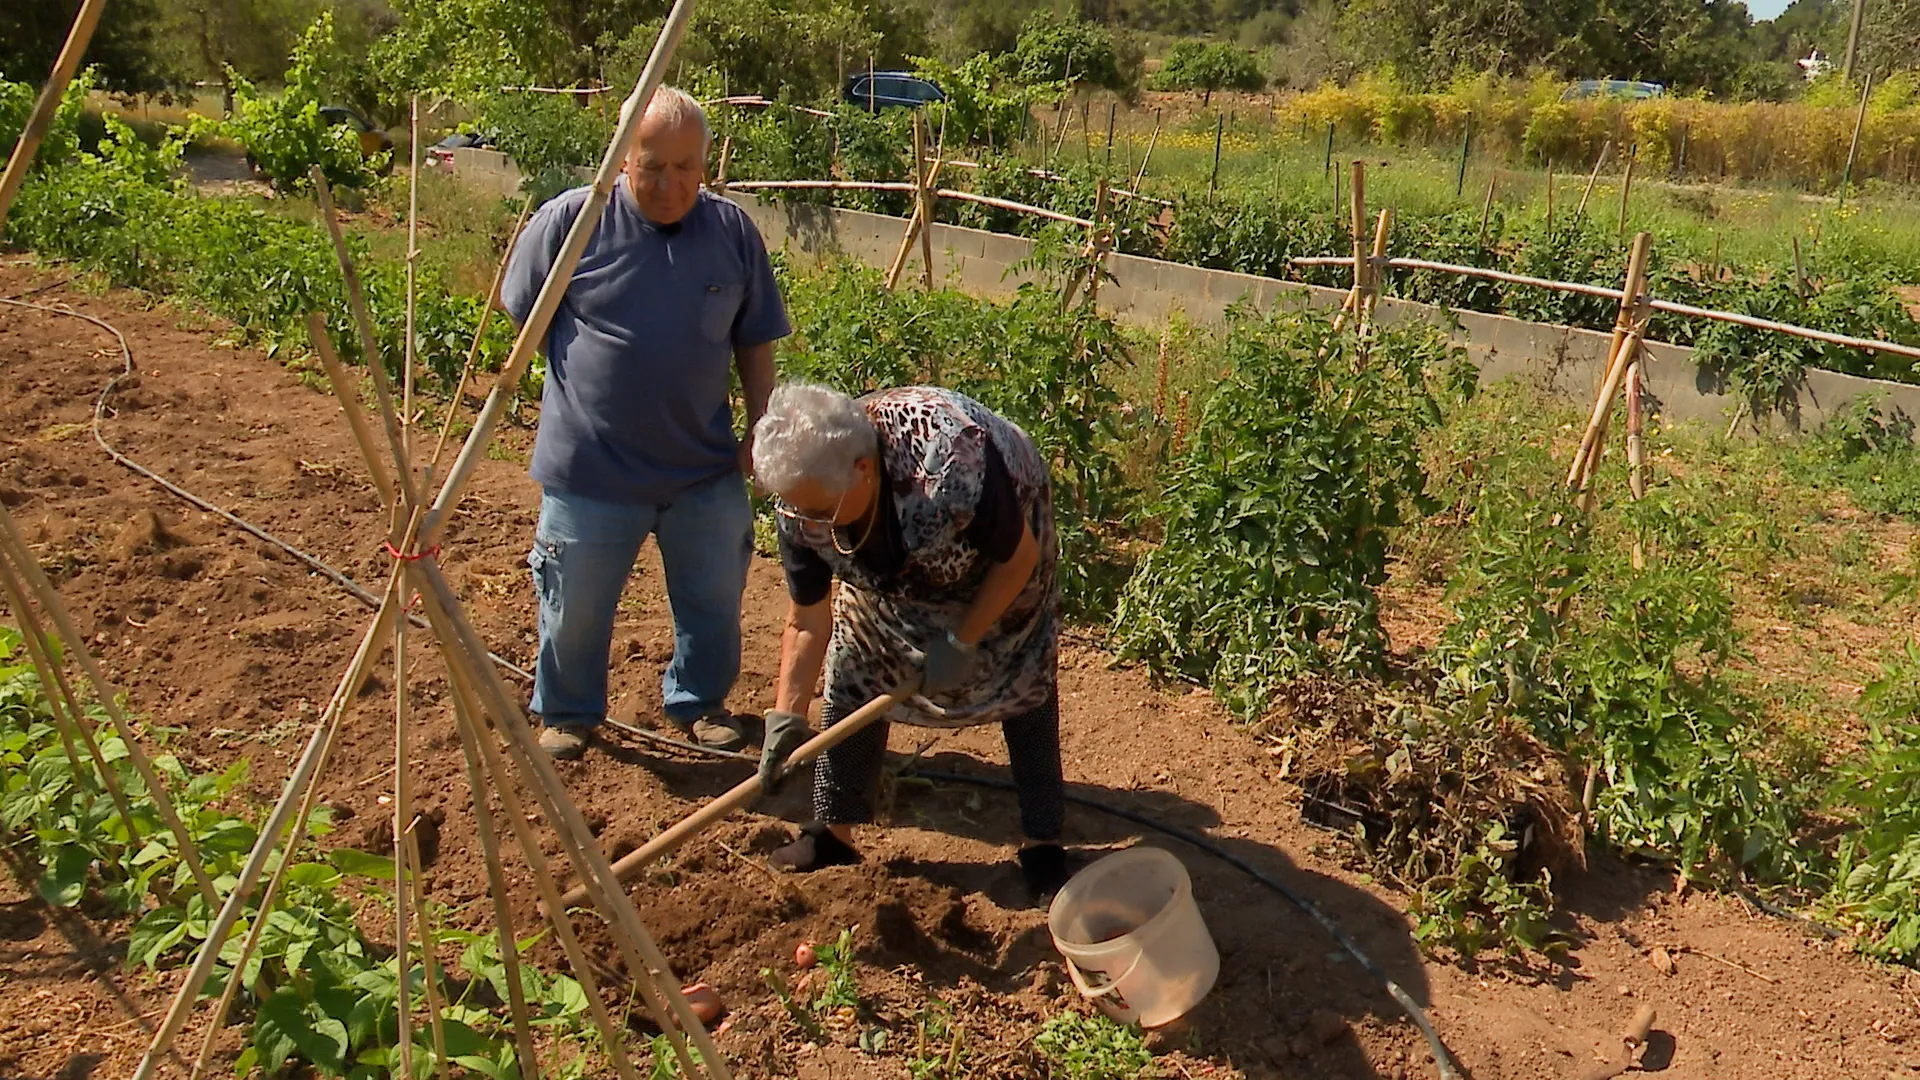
(933, 461)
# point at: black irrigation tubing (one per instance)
(1443, 1059)
(313, 563)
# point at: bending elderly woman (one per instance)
(936, 517)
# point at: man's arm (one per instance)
(755, 364)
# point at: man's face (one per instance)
(666, 168)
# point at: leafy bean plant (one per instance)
(316, 990)
(1275, 516)
(1076, 1046)
(1876, 877)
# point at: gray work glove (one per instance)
(949, 664)
(785, 732)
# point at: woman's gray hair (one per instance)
(811, 432)
(675, 107)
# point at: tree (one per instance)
(129, 50)
(1890, 37)
(1057, 48)
(1208, 66)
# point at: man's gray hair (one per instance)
(811, 432)
(676, 107)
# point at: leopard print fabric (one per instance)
(934, 463)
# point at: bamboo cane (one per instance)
(923, 202)
(429, 962)
(534, 332)
(1357, 222)
(349, 403)
(744, 793)
(402, 823)
(496, 877)
(1374, 276)
(63, 705)
(484, 760)
(267, 899)
(369, 347)
(630, 933)
(1605, 149)
(479, 335)
(14, 546)
(40, 121)
(1636, 450)
(1100, 242)
(1627, 321)
(1152, 141)
(302, 777)
(1602, 406)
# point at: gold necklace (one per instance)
(873, 516)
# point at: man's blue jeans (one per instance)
(583, 551)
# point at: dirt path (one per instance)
(216, 634)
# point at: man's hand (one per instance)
(785, 732)
(746, 464)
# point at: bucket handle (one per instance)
(1088, 992)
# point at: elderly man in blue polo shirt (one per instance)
(636, 429)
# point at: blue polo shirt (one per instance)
(640, 354)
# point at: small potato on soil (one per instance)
(705, 1002)
(804, 956)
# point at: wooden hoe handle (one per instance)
(628, 866)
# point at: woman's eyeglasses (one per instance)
(793, 513)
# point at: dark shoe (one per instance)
(716, 730)
(1045, 868)
(814, 848)
(565, 742)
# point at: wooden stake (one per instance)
(1636, 448)
(14, 546)
(533, 333)
(1486, 208)
(1626, 186)
(1549, 200)
(1605, 149)
(1152, 141)
(745, 793)
(402, 825)
(1859, 125)
(1629, 325)
(40, 121)
(1372, 297)
(1357, 223)
(1213, 178)
(429, 962)
(923, 201)
(1799, 271)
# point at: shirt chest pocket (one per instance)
(719, 306)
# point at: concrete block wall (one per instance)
(1560, 361)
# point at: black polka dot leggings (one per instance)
(845, 777)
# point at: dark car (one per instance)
(1613, 88)
(876, 90)
(440, 154)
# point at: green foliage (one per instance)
(1869, 450)
(547, 135)
(1479, 903)
(985, 102)
(62, 139)
(1275, 514)
(1080, 1047)
(319, 990)
(840, 982)
(1209, 66)
(285, 135)
(1876, 879)
(1055, 48)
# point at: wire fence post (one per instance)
(1466, 148)
(1853, 151)
(1219, 127)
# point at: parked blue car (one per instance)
(876, 90)
(1624, 89)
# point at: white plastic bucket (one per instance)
(1133, 939)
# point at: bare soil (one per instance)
(224, 638)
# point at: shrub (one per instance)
(1275, 514)
(1060, 49)
(1208, 66)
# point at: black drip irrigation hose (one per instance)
(358, 591)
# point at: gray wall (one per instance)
(1560, 361)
